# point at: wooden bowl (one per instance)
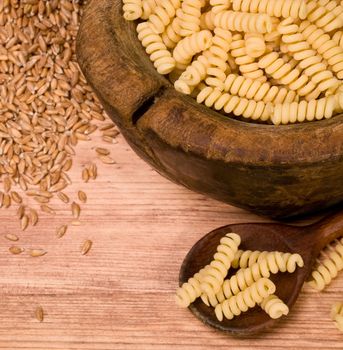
(277, 171)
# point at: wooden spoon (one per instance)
(308, 241)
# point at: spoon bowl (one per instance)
(306, 241)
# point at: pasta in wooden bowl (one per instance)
(279, 171)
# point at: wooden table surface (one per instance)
(120, 295)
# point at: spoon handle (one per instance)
(326, 230)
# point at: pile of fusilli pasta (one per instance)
(329, 264)
(273, 61)
(250, 286)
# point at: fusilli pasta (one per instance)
(277, 8)
(163, 61)
(132, 9)
(250, 109)
(207, 20)
(149, 7)
(325, 46)
(243, 22)
(329, 267)
(190, 290)
(274, 307)
(254, 44)
(214, 276)
(311, 63)
(189, 46)
(189, 16)
(216, 72)
(246, 299)
(287, 113)
(337, 315)
(163, 14)
(170, 37)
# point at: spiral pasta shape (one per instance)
(287, 113)
(286, 75)
(163, 14)
(253, 89)
(190, 290)
(254, 44)
(244, 300)
(246, 64)
(170, 36)
(191, 45)
(148, 7)
(207, 20)
(325, 14)
(273, 262)
(249, 109)
(220, 5)
(277, 8)
(274, 306)
(132, 9)
(193, 75)
(325, 46)
(338, 38)
(163, 61)
(189, 16)
(311, 63)
(216, 72)
(214, 276)
(328, 268)
(243, 22)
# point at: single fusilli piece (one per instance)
(338, 38)
(149, 7)
(191, 45)
(207, 20)
(132, 9)
(255, 90)
(310, 62)
(163, 61)
(190, 290)
(243, 22)
(163, 14)
(254, 44)
(288, 113)
(220, 5)
(244, 300)
(327, 15)
(189, 16)
(277, 8)
(246, 64)
(329, 267)
(249, 109)
(283, 72)
(274, 307)
(337, 315)
(326, 47)
(216, 72)
(214, 276)
(170, 37)
(193, 75)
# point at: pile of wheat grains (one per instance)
(46, 109)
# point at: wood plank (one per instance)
(120, 295)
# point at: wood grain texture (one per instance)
(120, 295)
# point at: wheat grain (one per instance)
(46, 209)
(33, 217)
(16, 197)
(61, 231)
(24, 222)
(103, 151)
(106, 159)
(86, 246)
(11, 237)
(37, 252)
(39, 314)
(82, 196)
(15, 250)
(75, 209)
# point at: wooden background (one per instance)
(120, 295)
